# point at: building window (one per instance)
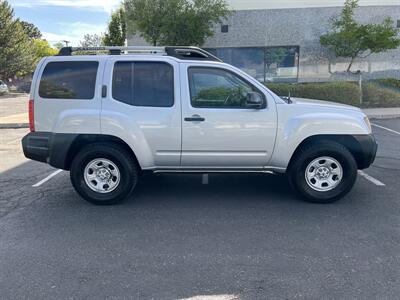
(266, 64)
(398, 23)
(281, 64)
(224, 28)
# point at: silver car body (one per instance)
(229, 139)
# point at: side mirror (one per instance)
(254, 100)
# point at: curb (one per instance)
(382, 117)
(14, 125)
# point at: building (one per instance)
(278, 40)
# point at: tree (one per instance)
(350, 39)
(58, 45)
(275, 55)
(175, 22)
(116, 31)
(31, 30)
(91, 40)
(16, 57)
(41, 48)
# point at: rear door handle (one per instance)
(194, 118)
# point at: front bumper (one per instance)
(366, 151)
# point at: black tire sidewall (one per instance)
(336, 151)
(128, 174)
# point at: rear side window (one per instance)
(69, 80)
(143, 83)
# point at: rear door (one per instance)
(142, 107)
(219, 130)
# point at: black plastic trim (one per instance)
(51, 148)
(367, 150)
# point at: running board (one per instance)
(204, 171)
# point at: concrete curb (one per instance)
(382, 117)
(14, 125)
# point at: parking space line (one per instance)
(13, 141)
(204, 179)
(370, 178)
(47, 178)
(385, 128)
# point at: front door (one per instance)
(219, 129)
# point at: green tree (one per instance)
(352, 40)
(31, 30)
(91, 40)
(275, 55)
(16, 56)
(41, 48)
(175, 22)
(116, 31)
(58, 45)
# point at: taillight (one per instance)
(31, 116)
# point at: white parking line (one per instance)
(47, 178)
(385, 128)
(13, 141)
(204, 180)
(370, 178)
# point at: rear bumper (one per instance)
(51, 148)
(36, 146)
(366, 152)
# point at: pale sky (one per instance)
(271, 4)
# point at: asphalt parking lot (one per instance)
(225, 236)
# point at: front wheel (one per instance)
(323, 172)
(103, 174)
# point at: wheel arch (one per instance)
(349, 141)
(63, 155)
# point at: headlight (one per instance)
(368, 123)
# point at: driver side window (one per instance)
(217, 88)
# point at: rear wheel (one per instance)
(103, 174)
(323, 172)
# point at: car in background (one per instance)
(3, 87)
(24, 86)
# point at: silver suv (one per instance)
(109, 118)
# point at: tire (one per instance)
(322, 172)
(111, 173)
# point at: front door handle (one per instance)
(194, 118)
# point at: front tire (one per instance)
(104, 174)
(322, 172)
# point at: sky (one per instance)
(70, 19)
(66, 19)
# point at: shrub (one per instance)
(388, 83)
(341, 92)
(374, 95)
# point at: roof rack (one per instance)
(184, 52)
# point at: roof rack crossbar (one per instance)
(182, 52)
(113, 49)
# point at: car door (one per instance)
(219, 129)
(142, 108)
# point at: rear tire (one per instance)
(322, 172)
(104, 174)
